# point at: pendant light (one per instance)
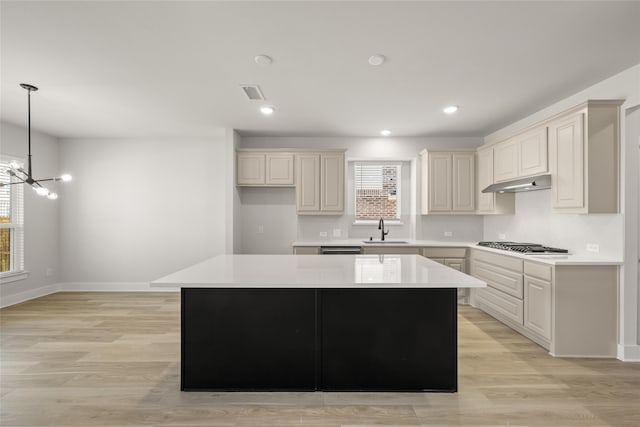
(16, 169)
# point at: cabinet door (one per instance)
(566, 144)
(308, 183)
(279, 169)
(533, 153)
(486, 201)
(456, 264)
(505, 160)
(537, 306)
(464, 182)
(440, 182)
(250, 169)
(332, 187)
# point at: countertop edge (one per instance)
(570, 259)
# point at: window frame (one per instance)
(381, 162)
(16, 254)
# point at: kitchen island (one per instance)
(344, 322)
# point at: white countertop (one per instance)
(319, 271)
(410, 243)
(551, 259)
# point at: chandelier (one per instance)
(16, 169)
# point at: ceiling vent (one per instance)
(253, 92)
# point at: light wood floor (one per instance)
(112, 359)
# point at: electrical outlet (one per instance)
(337, 232)
(448, 233)
(48, 272)
(323, 234)
(502, 236)
(593, 247)
(260, 229)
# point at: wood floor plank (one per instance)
(112, 359)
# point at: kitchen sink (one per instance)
(377, 242)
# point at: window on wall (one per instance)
(377, 191)
(11, 224)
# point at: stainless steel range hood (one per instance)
(540, 182)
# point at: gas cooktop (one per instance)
(523, 248)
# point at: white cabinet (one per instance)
(522, 155)
(332, 182)
(454, 257)
(320, 183)
(503, 296)
(448, 182)
(279, 169)
(440, 182)
(306, 250)
(584, 158)
(571, 310)
(250, 169)
(532, 152)
(490, 203)
(463, 182)
(505, 166)
(264, 169)
(537, 308)
(308, 183)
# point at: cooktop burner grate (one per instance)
(525, 248)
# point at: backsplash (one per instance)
(463, 228)
(534, 222)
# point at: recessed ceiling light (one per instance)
(376, 60)
(385, 132)
(450, 109)
(267, 110)
(263, 60)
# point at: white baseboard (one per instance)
(111, 287)
(19, 297)
(629, 353)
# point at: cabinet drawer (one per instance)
(540, 271)
(503, 305)
(390, 251)
(444, 252)
(306, 250)
(504, 261)
(498, 278)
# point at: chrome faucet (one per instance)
(381, 228)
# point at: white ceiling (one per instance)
(158, 68)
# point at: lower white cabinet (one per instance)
(537, 308)
(571, 310)
(391, 250)
(454, 257)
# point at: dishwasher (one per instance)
(340, 250)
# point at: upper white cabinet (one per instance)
(584, 157)
(259, 168)
(521, 156)
(490, 203)
(279, 169)
(505, 166)
(532, 152)
(320, 183)
(250, 168)
(448, 182)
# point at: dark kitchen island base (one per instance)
(272, 339)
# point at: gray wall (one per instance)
(139, 209)
(41, 216)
